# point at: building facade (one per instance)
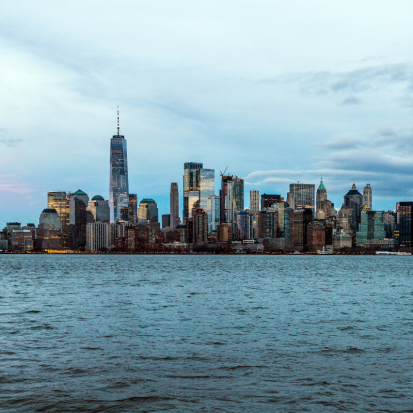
(191, 187)
(133, 209)
(119, 183)
(147, 211)
(99, 209)
(303, 195)
(213, 216)
(267, 200)
(254, 201)
(321, 198)
(367, 197)
(174, 205)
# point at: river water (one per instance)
(151, 333)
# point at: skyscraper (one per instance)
(405, 213)
(303, 195)
(254, 201)
(191, 187)
(133, 209)
(213, 216)
(353, 200)
(57, 200)
(367, 197)
(147, 211)
(321, 198)
(206, 187)
(174, 205)
(119, 186)
(267, 200)
(231, 198)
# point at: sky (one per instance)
(276, 91)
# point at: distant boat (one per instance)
(324, 252)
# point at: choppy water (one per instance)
(206, 333)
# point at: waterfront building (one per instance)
(166, 220)
(224, 232)
(99, 209)
(302, 218)
(147, 211)
(371, 227)
(268, 200)
(316, 236)
(183, 232)
(405, 212)
(133, 209)
(245, 225)
(48, 232)
(191, 187)
(57, 200)
(119, 184)
(213, 216)
(321, 198)
(97, 236)
(206, 187)
(174, 206)
(254, 201)
(231, 200)
(22, 240)
(303, 195)
(353, 200)
(200, 226)
(77, 219)
(367, 197)
(267, 224)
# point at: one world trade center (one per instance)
(119, 186)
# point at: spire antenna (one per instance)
(118, 120)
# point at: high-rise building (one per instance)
(206, 187)
(147, 211)
(191, 187)
(119, 184)
(213, 216)
(99, 209)
(78, 219)
(22, 240)
(254, 201)
(303, 195)
(371, 227)
(290, 200)
(353, 200)
(316, 236)
(321, 198)
(200, 226)
(231, 199)
(174, 206)
(267, 200)
(48, 231)
(245, 225)
(405, 214)
(367, 197)
(166, 220)
(57, 200)
(302, 217)
(133, 209)
(97, 236)
(267, 224)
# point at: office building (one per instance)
(200, 226)
(371, 227)
(353, 200)
(231, 200)
(191, 187)
(245, 225)
(119, 184)
(57, 200)
(254, 201)
(290, 200)
(303, 195)
(213, 215)
(133, 209)
(166, 220)
(147, 211)
(97, 236)
(316, 236)
(22, 240)
(302, 217)
(267, 200)
(206, 187)
(174, 206)
(267, 224)
(99, 209)
(48, 232)
(405, 212)
(320, 200)
(77, 219)
(367, 197)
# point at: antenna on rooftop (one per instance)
(118, 120)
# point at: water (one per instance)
(206, 333)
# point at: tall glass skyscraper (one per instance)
(119, 185)
(303, 195)
(191, 186)
(206, 187)
(174, 206)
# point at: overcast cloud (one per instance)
(277, 91)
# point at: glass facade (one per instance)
(191, 184)
(119, 185)
(267, 200)
(57, 200)
(174, 205)
(254, 201)
(213, 217)
(404, 211)
(206, 187)
(148, 211)
(133, 209)
(303, 195)
(371, 227)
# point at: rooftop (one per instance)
(49, 211)
(98, 198)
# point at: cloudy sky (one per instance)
(277, 91)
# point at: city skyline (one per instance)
(290, 99)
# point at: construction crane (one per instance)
(223, 173)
